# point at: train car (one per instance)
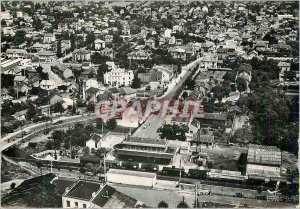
(197, 174)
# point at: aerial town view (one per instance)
(149, 104)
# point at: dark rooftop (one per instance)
(36, 192)
(84, 190)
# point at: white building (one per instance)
(131, 177)
(47, 56)
(92, 194)
(48, 85)
(99, 44)
(49, 38)
(177, 28)
(92, 142)
(118, 76)
(263, 161)
(16, 53)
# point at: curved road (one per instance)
(6, 141)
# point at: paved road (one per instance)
(151, 130)
(156, 121)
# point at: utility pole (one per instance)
(196, 196)
(180, 172)
(104, 167)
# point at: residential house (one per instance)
(284, 66)
(48, 85)
(81, 55)
(261, 45)
(16, 53)
(47, 56)
(108, 38)
(127, 93)
(107, 52)
(118, 76)
(209, 61)
(177, 28)
(20, 115)
(167, 73)
(49, 38)
(178, 52)
(92, 194)
(92, 142)
(93, 86)
(150, 42)
(99, 44)
(5, 95)
(21, 84)
(214, 120)
(139, 55)
(126, 30)
(247, 76)
(55, 99)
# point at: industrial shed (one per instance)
(131, 177)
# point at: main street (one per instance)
(152, 124)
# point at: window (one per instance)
(68, 203)
(76, 204)
(84, 205)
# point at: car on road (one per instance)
(26, 132)
(56, 121)
(146, 126)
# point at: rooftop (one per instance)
(264, 155)
(139, 140)
(83, 189)
(131, 173)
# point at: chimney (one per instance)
(67, 189)
(94, 194)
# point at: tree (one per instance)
(173, 132)
(162, 204)
(19, 37)
(190, 84)
(73, 41)
(97, 58)
(31, 112)
(86, 151)
(90, 107)
(3, 23)
(58, 137)
(185, 95)
(111, 124)
(37, 24)
(102, 69)
(90, 40)
(7, 80)
(182, 204)
(58, 107)
(136, 82)
(59, 50)
(12, 185)
(241, 84)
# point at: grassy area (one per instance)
(10, 172)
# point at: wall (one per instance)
(131, 180)
(72, 203)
